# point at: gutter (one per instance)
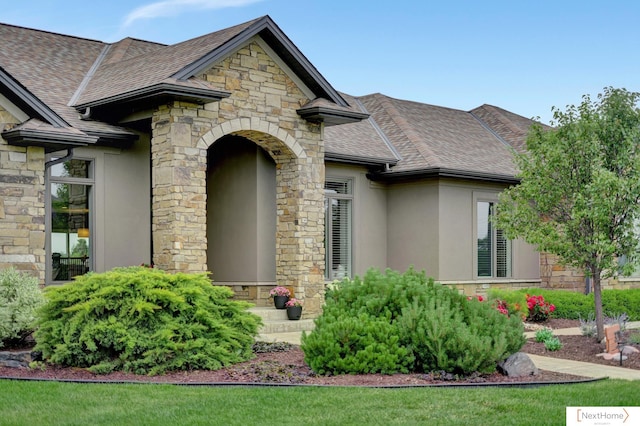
(440, 172)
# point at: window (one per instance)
(338, 211)
(69, 228)
(493, 250)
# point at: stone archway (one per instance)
(179, 163)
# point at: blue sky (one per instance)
(524, 56)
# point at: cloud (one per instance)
(175, 7)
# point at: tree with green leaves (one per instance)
(579, 190)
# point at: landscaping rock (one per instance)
(15, 358)
(518, 365)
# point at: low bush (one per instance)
(396, 322)
(544, 334)
(20, 297)
(553, 344)
(575, 305)
(144, 321)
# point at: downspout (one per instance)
(67, 157)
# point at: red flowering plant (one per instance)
(539, 310)
(501, 306)
(477, 296)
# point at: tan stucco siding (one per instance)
(413, 230)
(241, 213)
(127, 212)
(120, 210)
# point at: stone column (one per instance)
(300, 229)
(179, 191)
(22, 211)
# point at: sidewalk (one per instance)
(585, 369)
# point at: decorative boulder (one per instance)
(518, 365)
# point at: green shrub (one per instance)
(144, 321)
(553, 344)
(412, 323)
(356, 345)
(618, 302)
(544, 334)
(20, 297)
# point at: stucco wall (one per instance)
(241, 213)
(121, 213)
(431, 226)
(127, 210)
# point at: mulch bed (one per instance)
(283, 364)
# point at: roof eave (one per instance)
(361, 161)
(50, 141)
(331, 117)
(439, 172)
(160, 90)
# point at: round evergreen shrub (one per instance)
(144, 321)
(412, 322)
(20, 297)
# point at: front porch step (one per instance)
(275, 321)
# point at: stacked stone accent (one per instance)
(22, 233)
(556, 276)
(262, 108)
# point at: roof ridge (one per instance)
(425, 152)
(378, 130)
(489, 129)
(503, 119)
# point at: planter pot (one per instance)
(279, 301)
(294, 312)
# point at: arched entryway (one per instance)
(180, 204)
(241, 215)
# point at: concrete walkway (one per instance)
(585, 369)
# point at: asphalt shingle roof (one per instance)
(410, 136)
(431, 137)
(158, 65)
(512, 128)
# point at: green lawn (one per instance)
(44, 403)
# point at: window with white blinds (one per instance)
(338, 228)
(493, 248)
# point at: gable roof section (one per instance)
(171, 70)
(438, 141)
(39, 72)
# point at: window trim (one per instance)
(88, 181)
(488, 197)
(328, 275)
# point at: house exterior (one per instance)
(230, 153)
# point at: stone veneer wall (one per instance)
(553, 275)
(22, 234)
(261, 108)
